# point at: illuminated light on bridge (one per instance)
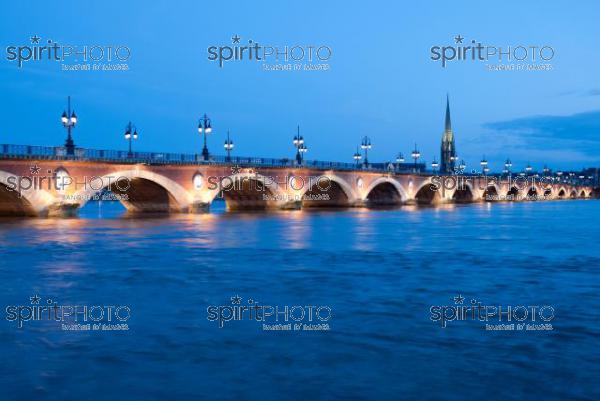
(205, 128)
(69, 119)
(357, 156)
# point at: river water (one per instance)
(379, 272)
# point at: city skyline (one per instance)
(448, 157)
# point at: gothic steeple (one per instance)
(448, 151)
(448, 123)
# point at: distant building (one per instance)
(448, 151)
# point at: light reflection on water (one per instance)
(379, 270)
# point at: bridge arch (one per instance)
(513, 193)
(27, 202)
(248, 191)
(427, 193)
(491, 192)
(332, 192)
(532, 193)
(547, 193)
(464, 193)
(562, 192)
(385, 191)
(139, 191)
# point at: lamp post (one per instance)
(366, 145)
(69, 119)
(484, 164)
(130, 135)
(357, 156)
(415, 155)
(298, 143)
(546, 169)
(453, 160)
(399, 160)
(434, 165)
(528, 169)
(462, 165)
(303, 149)
(205, 127)
(507, 166)
(228, 146)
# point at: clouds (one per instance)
(574, 138)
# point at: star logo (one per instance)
(236, 300)
(235, 39)
(35, 169)
(235, 169)
(459, 299)
(35, 300)
(35, 39)
(458, 39)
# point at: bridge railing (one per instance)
(9, 151)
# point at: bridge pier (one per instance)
(60, 209)
(360, 203)
(199, 207)
(292, 205)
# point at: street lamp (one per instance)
(434, 165)
(399, 160)
(366, 145)
(484, 164)
(69, 119)
(415, 155)
(507, 165)
(205, 127)
(453, 160)
(357, 156)
(228, 146)
(130, 134)
(528, 168)
(298, 143)
(303, 149)
(546, 170)
(462, 165)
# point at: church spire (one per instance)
(448, 151)
(448, 123)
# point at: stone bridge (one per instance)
(48, 187)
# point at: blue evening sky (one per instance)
(381, 82)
